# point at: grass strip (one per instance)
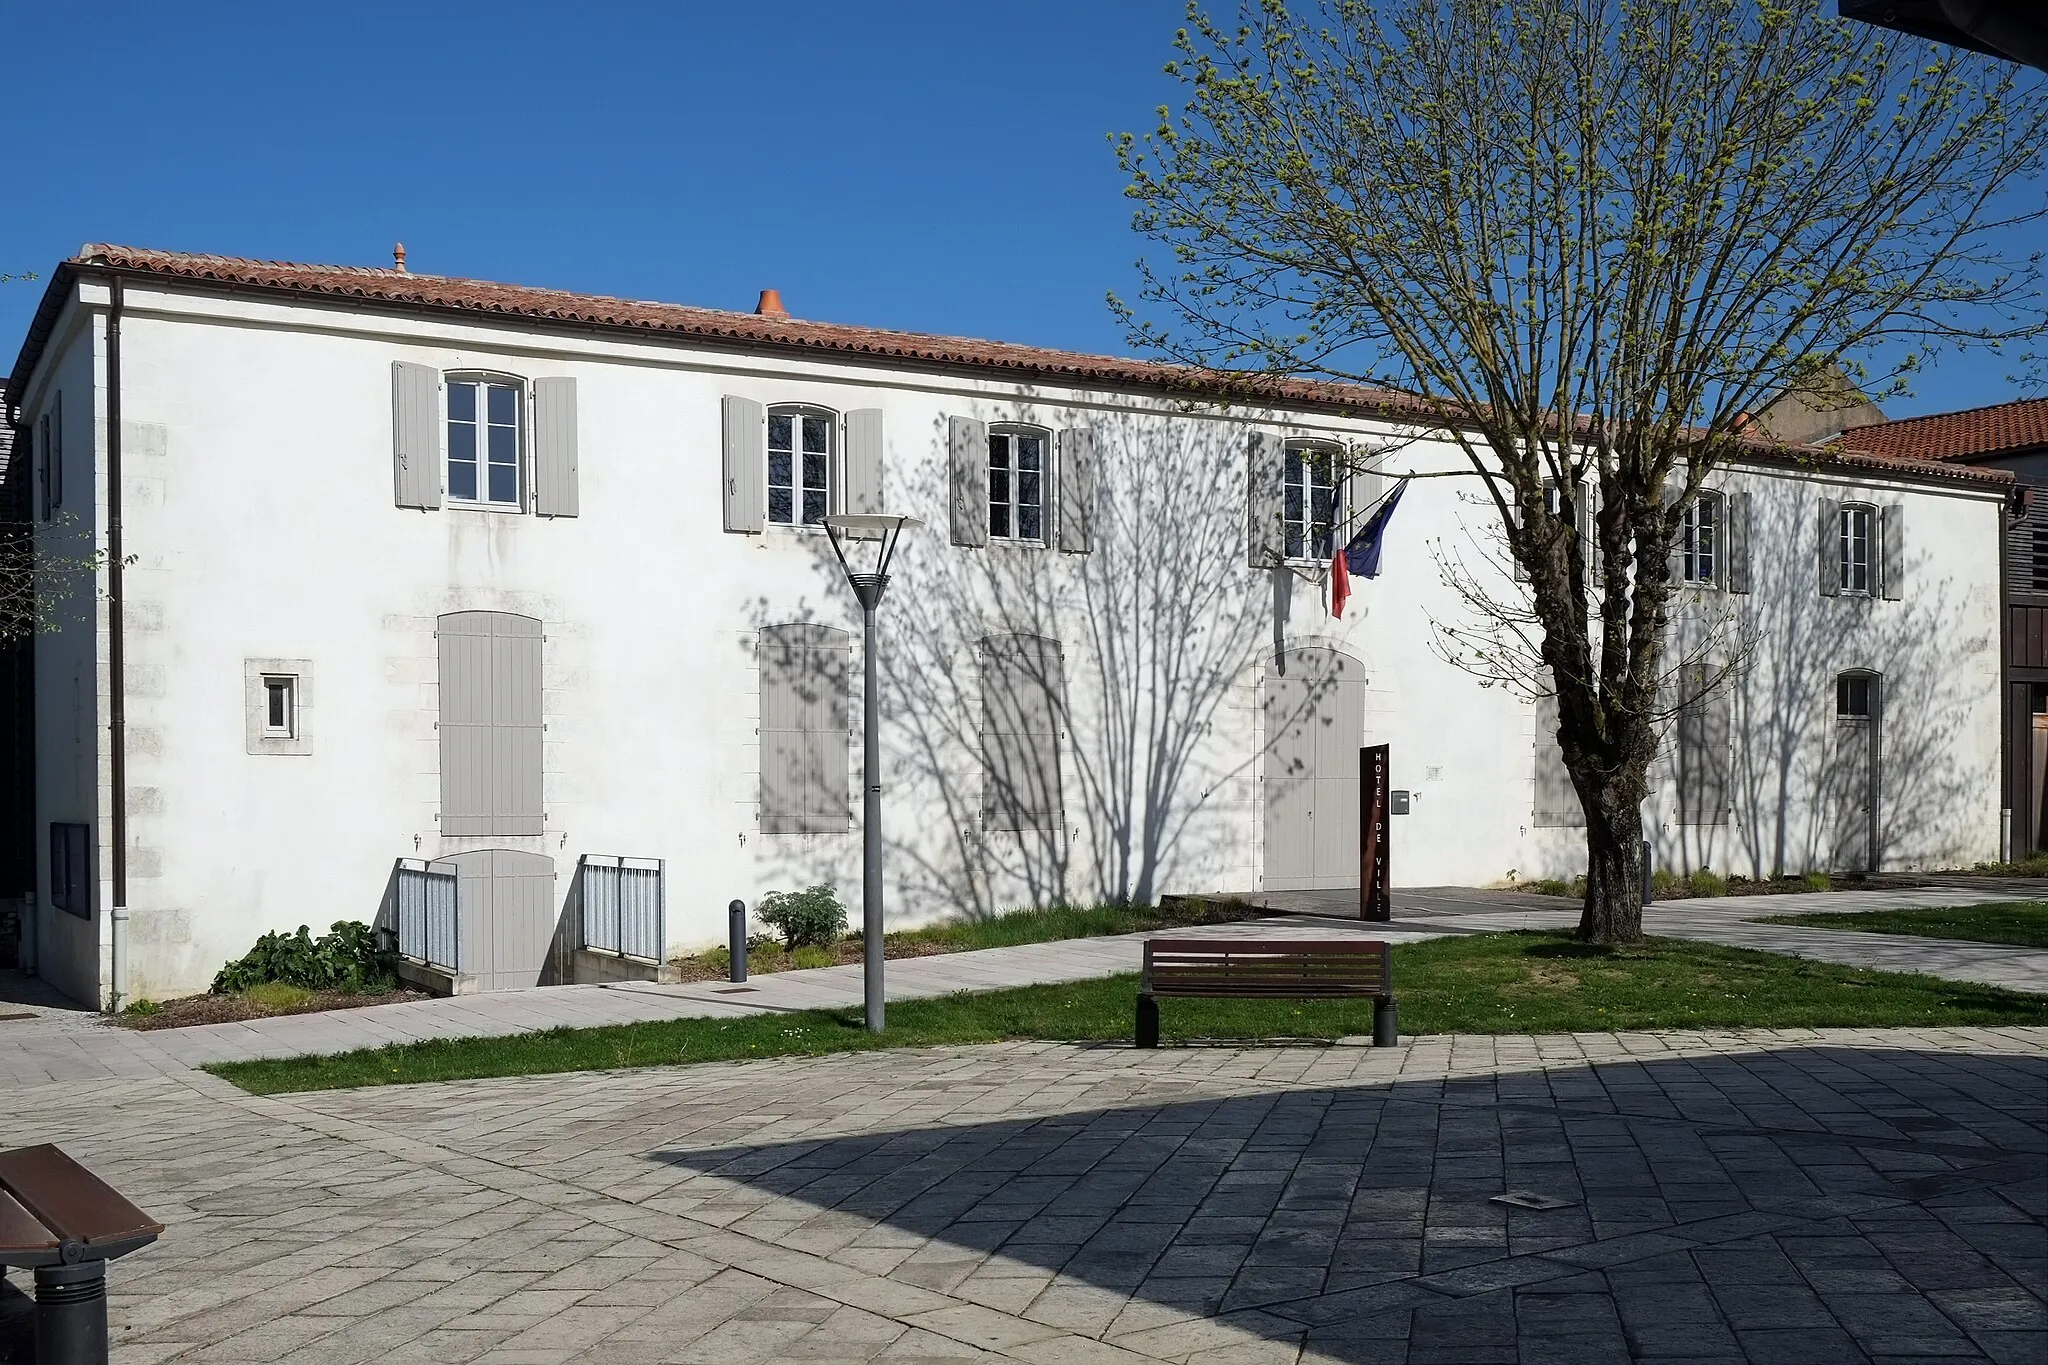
(2020, 923)
(1526, 982)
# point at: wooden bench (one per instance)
(1268, 969)
(65, 1223)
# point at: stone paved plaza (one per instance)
(1801, 1197)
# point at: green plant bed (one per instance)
(1483, 983)
(2022, 923)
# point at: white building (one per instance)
(423, 568)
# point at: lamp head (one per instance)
(867, 572)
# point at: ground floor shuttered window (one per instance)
(804, 729)
(1022, 687)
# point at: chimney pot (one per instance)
(398, 257)
(771, 307)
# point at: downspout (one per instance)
(117, 700)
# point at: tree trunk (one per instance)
(1614, 876)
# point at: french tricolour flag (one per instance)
(1362, 555)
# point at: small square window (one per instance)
(280, 709)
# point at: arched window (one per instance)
(1312, 498)
(1018, 460)
(486, 439)
(1701, 540)
(800, 451)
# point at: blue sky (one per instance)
(924, 164)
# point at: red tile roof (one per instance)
(1964, 435)
(712, 324)
(753, 331)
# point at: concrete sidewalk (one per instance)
(78, 1045)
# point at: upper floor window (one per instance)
(484, 440)
(1016, 483)
(1311, 500)
(1857, 523)
(799, 465)
(1700, 534)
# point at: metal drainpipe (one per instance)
(117, 703)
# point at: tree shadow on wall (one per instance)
(1797, 786)
(1051, 718)
(1358, 1222)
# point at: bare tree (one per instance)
(42, 567)
(1586, 237)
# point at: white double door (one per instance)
(1313, 703)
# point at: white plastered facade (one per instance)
(258, 506)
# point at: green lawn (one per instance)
(1487, 983)
(2023, 923)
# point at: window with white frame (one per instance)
(799, 465)
(280, 706)
(1858, 527)
(1016, 483)
(1700, 537)
(485, 440)
(1311, 499)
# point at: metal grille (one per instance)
(624, 908)
(429, 927)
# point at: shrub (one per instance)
(1551, 886)
(343, 959)
(1663, 884)
(1709, 883)
(144, 1006)
(810, 918)
(1817, 881)
(813, 957)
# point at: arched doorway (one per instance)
(1313, 706)
(1859, 719)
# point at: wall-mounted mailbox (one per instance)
(1399, 802)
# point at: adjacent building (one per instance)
(502, 617)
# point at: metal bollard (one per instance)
(737, 912)
(1386, 1023)
(71, 1314)
(1649, 881)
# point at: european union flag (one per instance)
(1362, 554)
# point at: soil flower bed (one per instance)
(260, 1002)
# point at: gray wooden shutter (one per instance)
(746, 465)
(967, 459)
(1077, 490)
(1674, 557)
(864, 462)
(1557, 800)
(1830, 548)
(804, 729)
(1702, 759)
(490, 723)
(554, 447)
(1736, 507)
(415, 434)
(1891, 550)
(1266, 472)
(43, 462)
(57, 449)
(1021, 686)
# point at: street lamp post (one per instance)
(867, 586)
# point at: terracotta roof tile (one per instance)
(403, 289)
(551, 305)
(1964, 435)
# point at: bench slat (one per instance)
(20, 1232)
(68, 1199)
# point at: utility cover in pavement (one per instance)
(1527, 1199)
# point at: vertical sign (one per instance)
(1373, 902)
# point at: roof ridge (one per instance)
(1952, 412)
